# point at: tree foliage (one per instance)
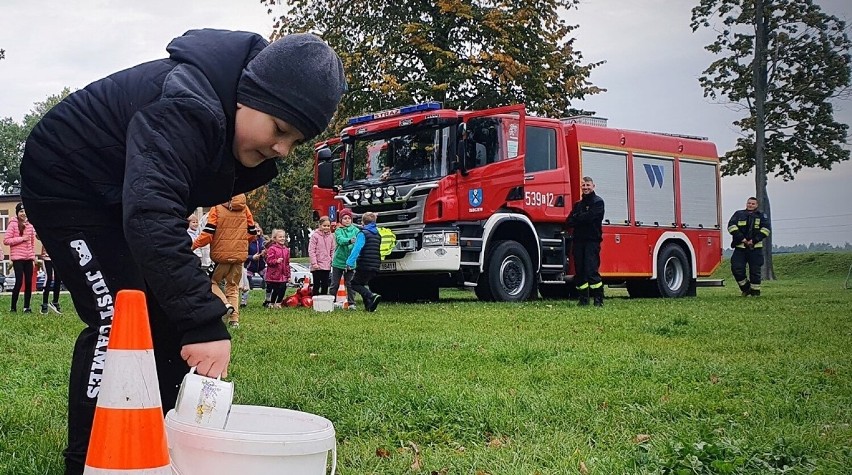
(806, 64)
(13, 137)
(463, 53)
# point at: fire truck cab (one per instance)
(480, 198)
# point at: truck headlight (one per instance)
(446, 238)
(433, 239)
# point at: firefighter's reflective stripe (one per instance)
(595, 286)
(584, 286)
(733, 228)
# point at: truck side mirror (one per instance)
(325, 174)
(324, 155)
(461, 149)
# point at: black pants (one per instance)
(51, 282)
(321, 280)
(277, 289)
(336, 274)
(95, 262)
(742, 257)
(360, 281)
(587, 262)
(23, 276)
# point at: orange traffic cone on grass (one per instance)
(128, 432)
(341, 300)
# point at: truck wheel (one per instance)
(510, 273)
(674, 272)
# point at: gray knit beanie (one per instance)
(298, 79)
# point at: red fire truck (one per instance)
(479, 199)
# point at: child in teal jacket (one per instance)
(344, 237)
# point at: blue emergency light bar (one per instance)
(425, 106)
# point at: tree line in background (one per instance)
(781, 62)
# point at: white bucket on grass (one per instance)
(323, 303)
(256, 441)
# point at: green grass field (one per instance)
(714, 384)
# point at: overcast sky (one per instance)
(653, 62)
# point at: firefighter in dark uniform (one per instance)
(749, 227)
(586, 218)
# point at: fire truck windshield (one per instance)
(399, 156)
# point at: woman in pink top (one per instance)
(321, 252)
(20, 237)
(277, 267)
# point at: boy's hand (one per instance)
(210, 358)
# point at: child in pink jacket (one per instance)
(277, 267)
(321, 252)
(20, 237)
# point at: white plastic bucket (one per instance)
(323, 303)
(256, 441)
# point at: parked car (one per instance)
(257, 282)
(9, 282)
(298, 272)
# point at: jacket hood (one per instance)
(212, 51)
(237, 203)
(371, 228)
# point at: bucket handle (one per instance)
(334, 458)
(193, 370)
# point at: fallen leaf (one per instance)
(640, 438)
(382, 452)
(714, 379)
(313, 355)
(443, 471)
(415, 465)
(583, 468)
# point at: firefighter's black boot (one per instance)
(745, 287)
(598, 296)
(754, 291)
(584, 297)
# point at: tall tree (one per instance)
(783, 61)
(13, 137)
(463, 53)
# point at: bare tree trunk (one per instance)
(759, 67)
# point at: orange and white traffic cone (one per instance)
(341, 299)
(128, 432)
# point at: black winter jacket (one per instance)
(150, 144)
(586, 217)
(370, 257)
